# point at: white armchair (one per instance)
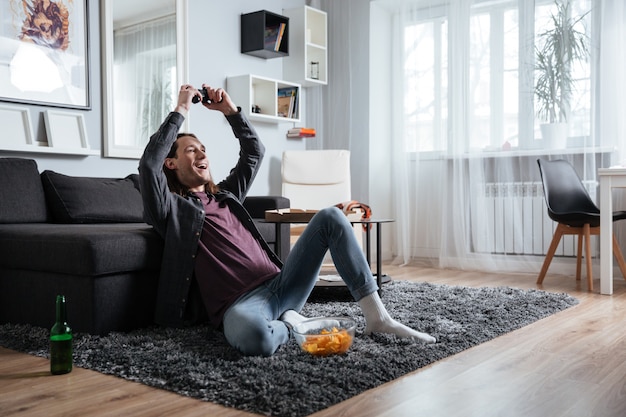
(315, 179)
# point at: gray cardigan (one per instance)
(178, 219)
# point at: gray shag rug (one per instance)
(197, 362)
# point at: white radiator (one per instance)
(516, 220)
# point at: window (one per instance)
(427, 92)
(489, 65)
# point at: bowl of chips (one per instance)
(324, 336)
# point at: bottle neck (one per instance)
(61, 311)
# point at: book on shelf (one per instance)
(274, 36)
(306, 130)
(279, 39)
(287, 102)
(271, 36)
(301, 132)
(299, 135)
(293, 108)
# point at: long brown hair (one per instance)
(173, 183)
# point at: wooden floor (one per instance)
(569, 364)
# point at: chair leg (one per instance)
(579, 256)
(558, 233)
(618, 255)
(587, 232)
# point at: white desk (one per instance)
(609, 178)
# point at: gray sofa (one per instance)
(85, 238)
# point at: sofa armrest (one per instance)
(257, 205)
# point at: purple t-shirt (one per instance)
(230, 261)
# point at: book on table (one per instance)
(289, 215)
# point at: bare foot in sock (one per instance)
(393, 327)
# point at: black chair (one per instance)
(571, 207)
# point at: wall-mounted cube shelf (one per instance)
(308, 62)
(264, 34)
(264, 99)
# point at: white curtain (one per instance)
(464, 134)
(333, 128)
(144, 78)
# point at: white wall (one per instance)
(214, 34)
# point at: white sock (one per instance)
(378, 320)
(292, 317)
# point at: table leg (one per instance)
(368, 251)
(379, 267)
(606, 236)
(368, 245)
(278, 241)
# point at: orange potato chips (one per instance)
(328, 342)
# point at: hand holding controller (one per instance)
(205, 96)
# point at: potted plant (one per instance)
(556, 49)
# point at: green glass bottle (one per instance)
(61, 341)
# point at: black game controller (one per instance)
(205, 96)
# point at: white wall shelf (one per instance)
(307, 62)
(44, 149)
(259, 98)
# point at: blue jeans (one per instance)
(251, 324)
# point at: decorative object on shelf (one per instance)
(301, 132)
(66, 130)
(560, 45)
(264, 34)
(307, 63)
(44, 46)
(315, 70)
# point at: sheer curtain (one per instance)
(465, 138)
(144, 78)
(334, 128)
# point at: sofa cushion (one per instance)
(92, 200)
(22, 196)
(81, 249)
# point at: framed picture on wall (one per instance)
(44, 53)
(66, 130)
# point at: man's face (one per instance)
(190, 164)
